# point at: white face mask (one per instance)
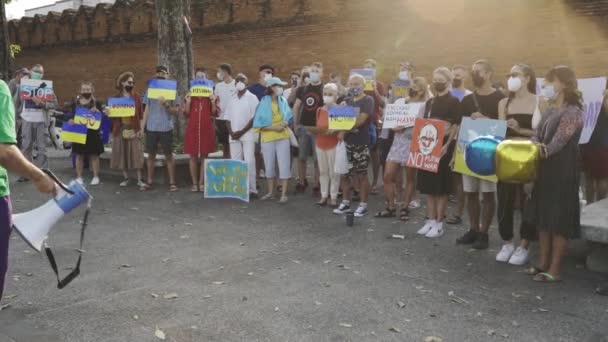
(548, 92)
(315, 77)
(514, 84)
(404, 75)
(220, 76)
(240, 86)
(328, 99)
(278, 91)
(267, 77)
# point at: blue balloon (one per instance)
(480, 155)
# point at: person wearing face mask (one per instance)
(127, 147)
(258, 89)
(21, 74)
(481, 104)
(357, 142)
(308, 100)
(35, 120)
(437, 186)
(158, 123)
(224, 91)
(326, 142)
(398, 155)
(518, 110)
(239, 114)
(93, 147)
(379, 94)
(272, 118)
(555, 196)
(199, 139)
(404, 80)
(459, 91)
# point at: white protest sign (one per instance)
(400, 115)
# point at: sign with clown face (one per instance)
(427, 141)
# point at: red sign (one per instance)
(427, 141)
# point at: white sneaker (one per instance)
(140, 183)
(415, 204)
(505, 252)
(124, 183)
(95, 181)
(436, 231)
(342, 209)
(428, 225)
(361, 211)
(520, 257)
(79, 181)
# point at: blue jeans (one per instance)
(5, 233)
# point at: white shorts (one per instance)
(473, 184)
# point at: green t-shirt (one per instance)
(7, 130)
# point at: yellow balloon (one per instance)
(517, 161)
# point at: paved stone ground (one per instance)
(266, 272)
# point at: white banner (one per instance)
(400, 115)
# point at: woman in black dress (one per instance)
(437, 186)
(555, 194)
(93, 147)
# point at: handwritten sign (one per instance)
(342, 118)
(121, 107)
(401, 89)
(427, 141)
(401, 115)
(471, 129)
(201, 87)
(87, 117)
(226, 178)
(74, 133)
(368, 74)
(158, 88)
(36, 88)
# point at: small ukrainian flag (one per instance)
(121, 107)
(75, 133)
(162, 88)
(201, 87)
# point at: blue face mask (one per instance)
(355, 91)
(548, 92)
(36, 76)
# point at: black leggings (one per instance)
(507, 195)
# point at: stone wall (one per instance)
(98, 43)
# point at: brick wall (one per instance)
(98, 43)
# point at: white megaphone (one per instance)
(35, 225)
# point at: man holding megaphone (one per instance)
(12, 160)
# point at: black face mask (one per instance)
(456, 83)
(129, 88)
(86, 96)
(412, 93)
(161, 77)
(478, 81)
(440, 87)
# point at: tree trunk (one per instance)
(5, 56)
(175, 45)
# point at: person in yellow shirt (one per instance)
(272, 119)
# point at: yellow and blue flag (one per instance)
(84, 116)
(342, 118)
(162, 88)
(121, 107)
(75, 133)
(201, 87)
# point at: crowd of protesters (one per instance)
(277, 126)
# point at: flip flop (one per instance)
(533, 270)
(374, 190)
(546, 277)
(146, 187)
(172, 188)
(194, 188)
(201, 188)
(454, 219)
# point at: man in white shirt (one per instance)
(35, 123)
(239, 117)
(224, 91)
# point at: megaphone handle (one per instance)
(57, 181)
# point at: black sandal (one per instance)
(388, 212)
(405, 214)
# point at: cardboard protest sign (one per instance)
(401, 115)
(87, 117)
(158, 88)
(201, 87)
(368, 74)
(41, 89)
(427, 141)
(121, 107)
(227, 178)
(74, 133)
(471, 129)
(401, 89)
(342, 118)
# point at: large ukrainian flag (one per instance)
(75, 133)
(162, 88)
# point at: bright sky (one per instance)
(16, 8)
